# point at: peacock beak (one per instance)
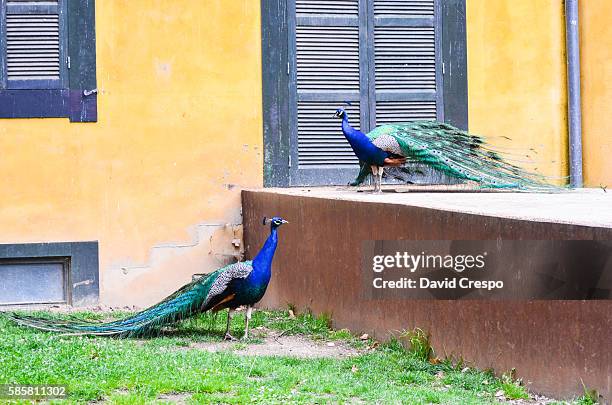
(284, 222)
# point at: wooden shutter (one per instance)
(381, 55)
(33, 44)
(405, 61)
(327, 67)
(406, 68)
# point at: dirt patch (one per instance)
(275, 344)
(533, 400)
(171, 397)
(174, 398)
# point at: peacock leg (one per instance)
(375, 175)
(247, 318)
(227, 328)
(380, 176)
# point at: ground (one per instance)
(289, 359)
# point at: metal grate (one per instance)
(32, 46)
(405, 58)
(388, 112)
(320, 138)
(404, 8)
(327, 58)
(344, 8)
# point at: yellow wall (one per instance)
(179, 133)
(157, 179)
(596, 81)
(516, 77)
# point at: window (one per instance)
(391, 59)
(47, 59)
(34, 281)
(63, 272)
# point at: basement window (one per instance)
(47, 59)
(49, 273)
(35, 281)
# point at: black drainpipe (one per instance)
(572, 38)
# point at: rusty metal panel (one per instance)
(552, 344)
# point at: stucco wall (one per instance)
(180, 130)
(179, 134)
(516, 78)
(596, 80)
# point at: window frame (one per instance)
(278, 69)
(82, 272)
(77, 97)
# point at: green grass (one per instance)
(139, 371)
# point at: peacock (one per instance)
(235, 285)
(438, 145)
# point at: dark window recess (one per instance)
(34, 282)
(44, 273)
(47, 59)
(389, 58)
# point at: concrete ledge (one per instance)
(590, 207)
(552, 344)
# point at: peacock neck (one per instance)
(347, 129)
(263, 260)
(363, 147)
(352, 135)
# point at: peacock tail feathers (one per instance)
(189, 300)
(456, 153)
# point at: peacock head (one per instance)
(275, 222)
(340, 113)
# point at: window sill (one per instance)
(49, 103)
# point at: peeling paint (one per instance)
(172, 264)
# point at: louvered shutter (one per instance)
(33, 44)
(405, 68)
(381, 55)
(327, 67)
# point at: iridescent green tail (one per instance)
(459, 155)
(182, 304)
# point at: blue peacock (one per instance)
(438, 145)
(232, 286)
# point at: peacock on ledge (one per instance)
(232, 286)
(438, 145)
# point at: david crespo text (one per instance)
(413, 262)
(424, 282)
(500, 269)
